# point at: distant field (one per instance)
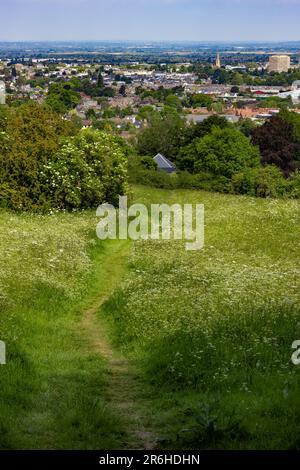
(207, 334)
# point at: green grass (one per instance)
(211, 331)
(53, 387)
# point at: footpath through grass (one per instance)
(202, 340)
(54, 387)
(212, 330)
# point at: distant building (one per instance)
(296, 85)
(164, 164)
(279, 63)
(218, 61)
(2, 92)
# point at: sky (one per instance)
(191, 20)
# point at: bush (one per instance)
(45, 163)
(138, 174)
(294, 185)
(89, 169)
(265, 181)
(29, 135)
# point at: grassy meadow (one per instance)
(209, 333)
(53, 387)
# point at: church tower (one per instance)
(218, 61)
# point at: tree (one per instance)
(164, 134)
(293, 119)
(276, 102)
(278, 145)
(62, 98)
(235, 89)
(223, 152)
(100, 82)
(173, 102)
(30, 135)
(246, 126)
(205, 127)
(122, 90)
(217, 107)
(201, 100)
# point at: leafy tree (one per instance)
(29, 135)
(62, 98)
(148, 163)
(293, 119)
(217, 107)
(277, 144)
(164, 134)
(276, 102)
(205, 127)
(145, 112)
(223, 152)
(237, 79)
(100, 82)
(201, 100)
(107, 92)
(235, 89)
(174, 102)
(122, 90)
(246, 126)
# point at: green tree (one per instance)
(200, 129)
(100, 82)
(29, 135)
(223, 152)
(201, 100)
(173, 102)
(62, 98)
(165, 134)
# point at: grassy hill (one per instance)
(206, 335)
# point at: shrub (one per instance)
(29, 135)
(294, 185)
(265, 181)
(89, 169)
(45, 162)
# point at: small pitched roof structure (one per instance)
(164, 164)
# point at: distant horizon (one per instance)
(179, 41)
(139, 20)
(155, 41)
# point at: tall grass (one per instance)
(212, 330)
(53, 388)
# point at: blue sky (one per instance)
(196, 20)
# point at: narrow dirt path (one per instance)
(123, 378)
